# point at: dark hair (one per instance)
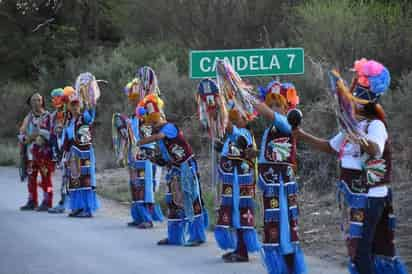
(369, 109)
(373, 110)
(28, 100)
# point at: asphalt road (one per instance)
(41, 243)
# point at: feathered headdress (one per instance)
(59, 102)
(234, 89)
(345, 106)
(87, 89)
(145, 83)
(58, 98)
(151, 107)
(233, 112)
(122, 137)
(286, 90)
(69, 92)
(371, 81)
(212, 112)
(289, 91)
(132, 89)
(148, 83)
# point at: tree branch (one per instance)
(48, 21)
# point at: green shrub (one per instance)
(341, 31)
(13, 96)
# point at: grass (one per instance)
(119, 193)
(208, 199)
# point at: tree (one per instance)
(46, 32)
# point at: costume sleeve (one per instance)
(69, 130)
(24, 125)
(134, 124)
(336, 142)
(281, 123)
(378, 134)
(89, 115)
(169, 130)
(163, 151)
(235, 131)
(240, 132)
(245, 133)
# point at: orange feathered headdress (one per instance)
(153, 107)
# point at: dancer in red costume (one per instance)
(35, 134)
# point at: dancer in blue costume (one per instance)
(235, 227)
(364, 154)
(81, 161)
(142, 171)
(187, 218)
(277, 164)
(144, 210)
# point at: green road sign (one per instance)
(248, 62)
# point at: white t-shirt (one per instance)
(351, 153)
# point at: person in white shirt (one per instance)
(365, 169)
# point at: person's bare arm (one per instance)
(23, 134)
(151, 139)
(265, 111)
(318, 143)
(23, 126)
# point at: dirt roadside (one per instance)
(319, 223)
